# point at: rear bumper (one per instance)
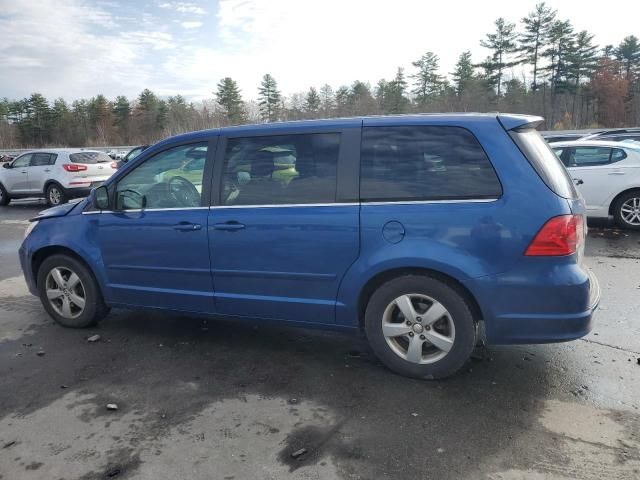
(557, 306)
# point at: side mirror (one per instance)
(101, 198)
(7, 165)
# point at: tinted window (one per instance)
(89, 157)
(22, 161)
(283, 169)
(544, 161)
(424, 163)
(40, 159)
(169, 179)
(617, 155)
(589, 156)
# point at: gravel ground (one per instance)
(212, 399)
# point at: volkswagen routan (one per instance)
(430, 233)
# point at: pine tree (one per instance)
(312, 103)
(628, 52)
(343, 101)
(269, 98)
(229, 99)
(327, 101)
(121, 114)
(395, 99)
(427, 81)
(502, 43)
(463, 73)
(534, 37)
(561, 39)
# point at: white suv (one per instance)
(607, 174)
(55, 174)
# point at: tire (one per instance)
(4, 196)
(55, 195)
(626, 210)
(86, 288)
(440, 314)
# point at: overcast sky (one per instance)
(79, 48)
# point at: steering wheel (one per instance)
(184, 192)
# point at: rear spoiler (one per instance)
(513, 122)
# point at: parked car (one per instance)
(618, 135)
(55, 174)
(5, 158)
(429, 232)
(552, 137)
(131, 154)
(607, 174)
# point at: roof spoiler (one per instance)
(519, 122)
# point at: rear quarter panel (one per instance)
(462, 239)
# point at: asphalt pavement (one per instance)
(212, 399)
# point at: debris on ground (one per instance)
(414, 414)
(93, 338)
(440, 450)
(114, 472)
(40, 353)
(299, 453)
(292, 401)
(64, 386)
(112, 406)
(638, 360)
(9, 444)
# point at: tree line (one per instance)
(540, 66)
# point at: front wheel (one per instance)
(4, 196)
(55, 195)
(69, 293)
(420, 327)
(627, 211)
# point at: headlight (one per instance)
(30, 228)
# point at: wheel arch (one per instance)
(613, 202)
(382, 277)
(49, 182)
(43, 253)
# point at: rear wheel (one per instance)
(55, 195)
(420, 327)
(627, 211)
(4, 196)
(69, 293)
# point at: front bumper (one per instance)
(539, 307)
(25, 264)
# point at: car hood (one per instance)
(59, 211)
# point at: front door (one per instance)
(154, 243)
(16, 178)
(280, 241)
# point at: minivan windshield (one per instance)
(545, 162)
(89, 157)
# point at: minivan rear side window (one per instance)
(544, 161)
(413, 163)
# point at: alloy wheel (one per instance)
(65, 292)
(630, 211)
(54, 195)
(418, 328)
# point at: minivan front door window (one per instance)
(170, 179)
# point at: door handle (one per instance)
(23, 171)
(47, 169)
(616, 172)
(229, 226)
(578, 181)
(187, 227)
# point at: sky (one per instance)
(80, 48)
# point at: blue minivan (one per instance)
(429, 232)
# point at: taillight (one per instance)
(561, 235)
(74, 167)
(114, 164)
